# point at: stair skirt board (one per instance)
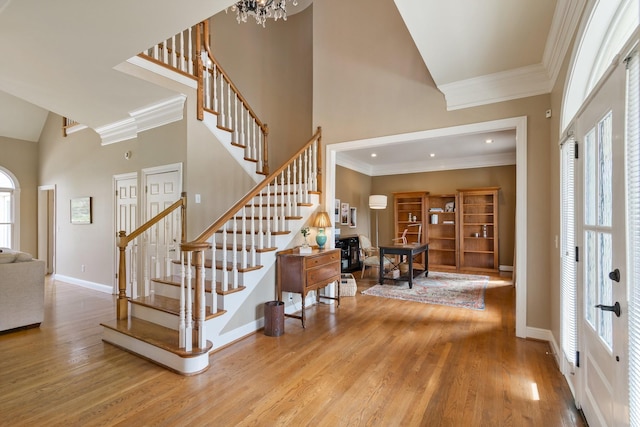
(181, 365)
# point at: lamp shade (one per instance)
(322, 220)
(378, 201)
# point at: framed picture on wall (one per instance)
(81, 210)
(353, 218)
(337, 212)
(344, 213)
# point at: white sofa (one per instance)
(21, 290)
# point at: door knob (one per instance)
(615, 308)
(615, 275)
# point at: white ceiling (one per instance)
(61, 56)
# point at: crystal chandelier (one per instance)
(261, 10)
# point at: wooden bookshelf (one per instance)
(443, 231)
(478, 229)
(414, 204)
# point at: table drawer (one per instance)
(322, 273)
(323, 259)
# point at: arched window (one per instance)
(611, 24)
(8, 210)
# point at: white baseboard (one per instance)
(505, 268)
(84, 283)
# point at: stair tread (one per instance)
(175, 281)
(170, 305)
(154, 334)
(248, 248)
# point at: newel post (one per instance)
(122, 305)
(199, 302)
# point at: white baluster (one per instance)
(241, 135)
(244, 238)
(228, 120)
(188, 313)
(155, 54)
(214, 277)
(222, 116)
(190, 55)
(182, 53)
(225, 277)
(305, 177)
(181, 327)
(216, 107)
(289, 213)
(234, 119)
(253, 233)
(260, 232)
(234, 255)
(165, 52)
(276, 222)
(268, 216)
(199, 288)
(295, 189)
(254, 126)
(283, 215)
(314, 165)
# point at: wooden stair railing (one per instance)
(122, 308)
(189, 53)
(277, 198)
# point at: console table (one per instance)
(409, 251)
(303, 273)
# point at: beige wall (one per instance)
(272, 68)
(79, 165)
(354, 188)
(21, 159)
(370, 81)
(448, 182)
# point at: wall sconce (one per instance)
(321, 221)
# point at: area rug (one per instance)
(451, 289)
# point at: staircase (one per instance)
(184, 311)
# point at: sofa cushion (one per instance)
(7, 257)
(23, 256)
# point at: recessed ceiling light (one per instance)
(374, 155)
(488, 141)
(432, 155)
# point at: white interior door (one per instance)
(162, 189)
(126, 205)
(600, 234)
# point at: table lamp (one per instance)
(321, 221)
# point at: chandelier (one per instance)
(261, 10)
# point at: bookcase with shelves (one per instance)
(410, 214)
(478, 229)
(443, 234)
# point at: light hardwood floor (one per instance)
(371, 361)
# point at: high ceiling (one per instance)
(60, 55)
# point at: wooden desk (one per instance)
(302, 273)
(409, 251)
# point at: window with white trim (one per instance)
(7, 210)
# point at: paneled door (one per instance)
(162, 189)
(126, 197)
(600, 234)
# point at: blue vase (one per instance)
(321, 238)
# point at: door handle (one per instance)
(615, 275)
(615, 308)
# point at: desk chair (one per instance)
(369, 255)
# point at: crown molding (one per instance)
(503, 86)
(149, 117)
(160, 114)
(526, 81)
